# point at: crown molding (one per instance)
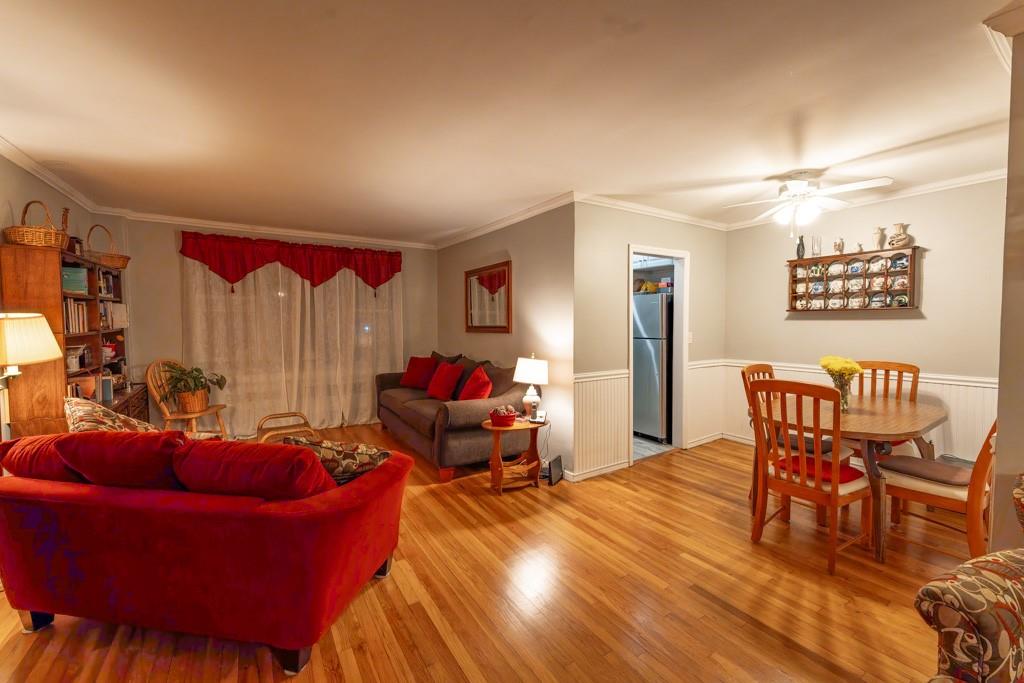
(1002, 46)
(15, 155)
(644, 209)
(1009, 20)
(463, 235)
(913, 191)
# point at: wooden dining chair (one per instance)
(156, 382)
(806, 410)
(886, 379)
(946, 486)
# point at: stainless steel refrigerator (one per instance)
(652, 365)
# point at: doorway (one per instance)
(658, 329)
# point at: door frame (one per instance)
(680, 331)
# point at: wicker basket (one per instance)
(194, 401)
(36, 235)
(110, 259)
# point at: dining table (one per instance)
(873, 420)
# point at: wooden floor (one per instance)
(643, 574)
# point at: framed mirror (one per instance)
(489, 298)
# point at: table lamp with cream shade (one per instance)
(531, 371)
(25, 339)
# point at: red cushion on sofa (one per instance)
(130, 459)
(477, 386)
(238, 468)
(442, 384)
(36, 457)
(418, 372)
(846, 472)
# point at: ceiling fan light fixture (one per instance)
(784, 215)
(807, 213)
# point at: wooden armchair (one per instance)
(156, 382)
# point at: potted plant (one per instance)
(191, 387)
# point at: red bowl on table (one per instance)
(499, 420)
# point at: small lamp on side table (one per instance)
(531, 371)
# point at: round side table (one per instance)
(525, 468)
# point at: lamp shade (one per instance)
(25, 339)
(531, 371)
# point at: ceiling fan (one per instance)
(802, 199)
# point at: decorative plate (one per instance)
(901, 300)
(817, 287)
(857, 301)
(800, 288)
(899, 282)
(878, 282)
(801, 272)
(855, 285)
(836, 268)
(836, 301)
(835, 286)
(817, 304)
(899, 262)
(880, 300)
(877, 264)
(801, 304)
(855, 267)
(816, 270)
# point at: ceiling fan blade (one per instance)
(853, 187)
(759, 201)
(830, 203)
(770, 212)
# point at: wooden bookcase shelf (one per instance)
(881, 280)
(31, 280)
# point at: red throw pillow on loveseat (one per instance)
(443, 383)
(477, 386)
(239, 468)
(418, 372)
(130, 459)
(36, 457)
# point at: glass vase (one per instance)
(843, 385)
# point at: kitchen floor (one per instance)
(643, 448)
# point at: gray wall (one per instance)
(602, 290)
(540, 249)
(155, 294)
(956, 330)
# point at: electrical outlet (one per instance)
(689, 337)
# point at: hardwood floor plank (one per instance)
(643, 574)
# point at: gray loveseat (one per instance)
(448, 433)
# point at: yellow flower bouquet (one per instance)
(842, 371)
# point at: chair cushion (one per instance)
(443, 383)
(239, 468)
(421, 415)
(905, 481)
(394, 399)
(343, 461)
(930, 470)
(141, 460)
(847, 473)
(36, 457)
(501, 378)
(477, 386)
(84, 415)
(794, 443)
(418, 372)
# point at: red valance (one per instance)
(493, 281)
(235, 257)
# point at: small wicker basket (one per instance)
(194, 401)
(36, 235)
(110, 259)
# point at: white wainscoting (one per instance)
(970, 403)
(601, 435)
(704, 402)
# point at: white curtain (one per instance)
(286, 345)
(486, 309)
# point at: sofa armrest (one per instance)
(978, 636)
(387, 380)
(467, 414)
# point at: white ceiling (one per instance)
(409, 120)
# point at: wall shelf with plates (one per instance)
(881, 280)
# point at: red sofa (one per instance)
(238, 567)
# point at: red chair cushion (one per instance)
(478, 385)
(442, 384)
(846, 472)
(238, 468)
(36, 457)
(418, 372)
(130, 459)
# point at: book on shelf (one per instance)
(105, 283)
(75, 280)
(76, 317)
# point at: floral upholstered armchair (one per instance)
(978, 611)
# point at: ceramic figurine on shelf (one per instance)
(860, 247)
(800, 247)
(879, 238)
(901, 238)
(839, 245)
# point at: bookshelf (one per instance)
(83, 302)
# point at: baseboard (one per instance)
(580, 476)
(738, 438)
(693, 443)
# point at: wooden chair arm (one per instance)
(280, 416)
